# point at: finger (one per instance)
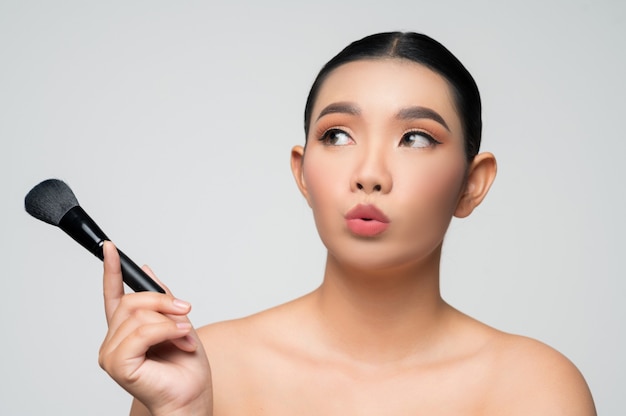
(187, 343)
(130, 353)
(122, 327)
(150, 273)
(131, 307)
(145, 337)
(113, 286)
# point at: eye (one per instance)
(418, 139)
(336, 137)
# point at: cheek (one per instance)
(431, 189)
(326, 185)
(325, 172)
(312, 177)
(318, 178)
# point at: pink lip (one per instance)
(366, 220)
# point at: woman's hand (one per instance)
(151, 349)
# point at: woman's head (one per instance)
(393, 125)
(422, 50)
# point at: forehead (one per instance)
(381, 86)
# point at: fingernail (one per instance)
(191, 341)
(183, 325)
(181, 304)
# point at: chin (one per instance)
(372, 259)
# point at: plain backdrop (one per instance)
(172, 121)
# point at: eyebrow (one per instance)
(416, 112)
(341, 107)
(408, 113)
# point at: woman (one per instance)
(392, 136)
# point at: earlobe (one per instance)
(481, 174)
(297, 169)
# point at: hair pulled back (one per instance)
(425, 51)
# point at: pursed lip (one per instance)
(367, 212)
(366, 221)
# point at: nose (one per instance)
(372, 174)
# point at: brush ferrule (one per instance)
(78, 225)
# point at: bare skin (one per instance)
(151, 345)
(376, 337)
(274, 366)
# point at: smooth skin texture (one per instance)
(151, 348)
(376, 337)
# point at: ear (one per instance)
(297, 168)
(480, 176)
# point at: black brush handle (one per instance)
(78, 225)
(135, 277)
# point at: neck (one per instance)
(381, 315)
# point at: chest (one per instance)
(304, 389)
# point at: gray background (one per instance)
(173, 120)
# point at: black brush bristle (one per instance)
(50, 200)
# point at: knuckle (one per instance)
(103, 361)
(141, 315)
(136, 314)
(142, 331)
(165, 302)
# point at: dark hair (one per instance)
(422, 50)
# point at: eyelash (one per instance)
(330, 134)
(431, 140)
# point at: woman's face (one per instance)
(384, 165)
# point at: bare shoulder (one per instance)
(255, 340)
(533, 378)
(252, 330)
(509, 374)
(230, 342)
(248, 355)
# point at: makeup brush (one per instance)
(52, 201)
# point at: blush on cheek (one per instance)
(317, 180)
(322, 174)
(449, 182)
(434, 190)
(312, 178)
(327, 189)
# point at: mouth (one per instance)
(366, 221)
(366, 213)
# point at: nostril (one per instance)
(375, 188)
